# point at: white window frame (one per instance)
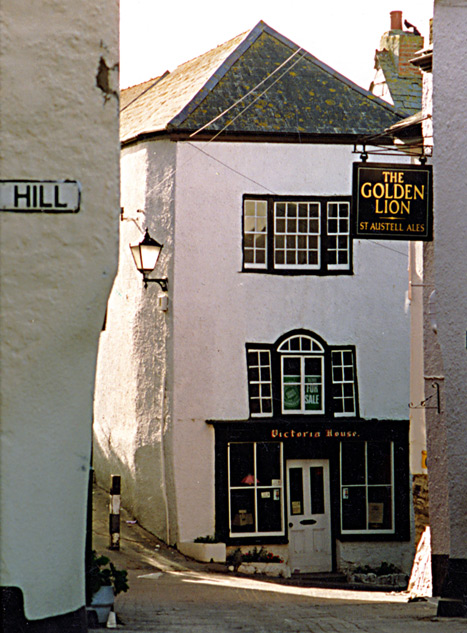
(255, 487)
(296, 234)
(305, 347)
(261, 383)
(367, 486)
(341, 383)
(256, 232)
(341, 232)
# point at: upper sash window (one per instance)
(297, 234)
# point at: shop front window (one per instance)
(367, 488)
(256, 504)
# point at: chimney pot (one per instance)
(396, 20)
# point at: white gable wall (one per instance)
(217, 309)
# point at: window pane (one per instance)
(291, 257)
(268, 463)
(379, 508)
(354, 508)
(313, 384)
(254, 390)
(291, 394)
(332, 227)
(280, 209)
(353, 463)
(241, 464)
(317, 489)
(292, 364)
(242, 511)
(291, 397)
(379, 463)
(255, 406)
(296, 491)
(269, 510)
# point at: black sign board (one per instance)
(392, 201)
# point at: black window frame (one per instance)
(324, 241)
(329, 387)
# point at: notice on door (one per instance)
(40, 196)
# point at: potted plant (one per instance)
(208, 549)
(259, 561)
(104, 582)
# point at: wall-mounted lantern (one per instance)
(146, 255)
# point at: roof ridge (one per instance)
(251, 36)
(248, 36)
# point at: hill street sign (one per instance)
(392, 201)
(40, 196)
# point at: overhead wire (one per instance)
(173, 171)
(251, 91)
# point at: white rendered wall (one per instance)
(217, 309)
(450, 168)
(132, 409)
(56, 273)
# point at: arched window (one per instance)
(302, 375)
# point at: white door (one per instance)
(309, 515)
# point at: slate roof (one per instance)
(285, 92)
(406, 92)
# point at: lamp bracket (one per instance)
(163, 283)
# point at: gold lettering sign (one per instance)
(392, 201)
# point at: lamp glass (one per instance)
(149, 254)
(146, 253)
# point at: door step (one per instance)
(319, 579)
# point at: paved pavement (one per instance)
(172, 594)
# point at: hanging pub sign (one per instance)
(392, 201)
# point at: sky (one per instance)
(156, 35)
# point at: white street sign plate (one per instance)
(40, 196)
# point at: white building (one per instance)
(58, 245)
(267, 401)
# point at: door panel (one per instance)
(309, 515)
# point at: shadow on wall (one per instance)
(143, 492)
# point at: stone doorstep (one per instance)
(273, 570)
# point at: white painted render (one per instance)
(56, 272)
(450, 269)
(214, 309)
(134, 370)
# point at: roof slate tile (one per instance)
(304, 96)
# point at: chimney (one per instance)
(396, 20)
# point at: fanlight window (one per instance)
(300, 343)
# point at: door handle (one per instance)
(307, 522)
(290, 524)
